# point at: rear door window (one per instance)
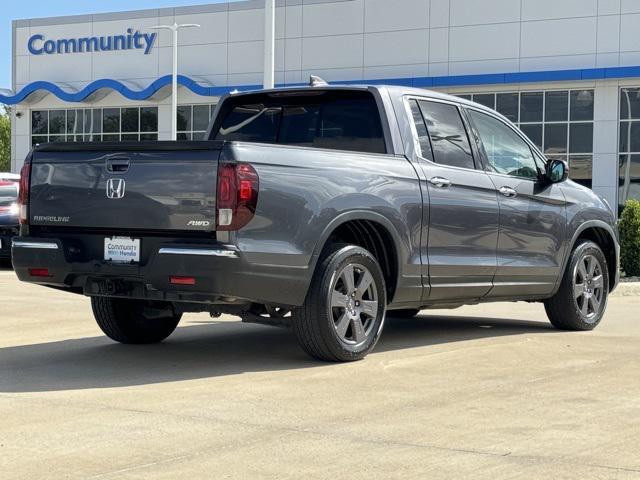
(448, 135)
(333, 120)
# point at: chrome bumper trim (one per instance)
(206, 252)
(35, 245)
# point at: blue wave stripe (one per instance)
(422, 82)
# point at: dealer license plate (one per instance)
(122, 249)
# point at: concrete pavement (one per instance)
(482, 392)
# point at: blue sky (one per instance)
(46, 8)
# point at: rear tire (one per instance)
(343, 314)
(581, 300)
(134, 321)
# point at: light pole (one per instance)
(174, 76)
(269, 43)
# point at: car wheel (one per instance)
(404, 313)
(134, 321)
(581, 299)
(343, 314)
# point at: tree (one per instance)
(5, 141)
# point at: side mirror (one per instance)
(557, 171)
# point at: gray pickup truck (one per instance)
(321, 207)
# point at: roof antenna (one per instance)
(315, 81)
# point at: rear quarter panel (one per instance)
(306, 193)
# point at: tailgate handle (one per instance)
(117, 165)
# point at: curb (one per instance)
(627, 289)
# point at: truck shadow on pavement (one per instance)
(211, 349)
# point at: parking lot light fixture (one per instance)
(174, 80)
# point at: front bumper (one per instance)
(222, 274)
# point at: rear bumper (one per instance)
(221, 272)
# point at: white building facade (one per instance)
(567, 72)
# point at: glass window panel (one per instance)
(93, 121)
(486, 99)
(581, 105)
(507, 105)
(580, 167)
(94, 137)
(629, 179)
(57, 138)
(130, 137)
(629, 103)
(184, 118)
(148, 136)
(556, 106)
(421, 129)
(534, 132)
(130, 119)
(110, 138)
(199, 136)
(149, 119)
(555, 138)
(39, 122)
(111, 120)
(35, 139)
(581, 138)
(507, 153)
(74, 120)
(630, 136)
(531, 106)
(184, 135)
(465, 96)
(57, 122)
(298, 125)
(448, 135)
(200, 117)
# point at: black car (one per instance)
(8, 216)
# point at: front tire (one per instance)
(581, 300)
(343, 314)
(134, 321)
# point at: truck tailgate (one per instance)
(160, 186)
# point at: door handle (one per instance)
(508, 192)
(118, 165)
(440, 182)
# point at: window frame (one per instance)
(532, 148)
(99, 111)
(475, 153)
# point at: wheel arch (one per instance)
(375, 233)
(605, 237)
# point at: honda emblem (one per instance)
(115, 188)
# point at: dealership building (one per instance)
(567, 72)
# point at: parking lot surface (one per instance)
(489, 391)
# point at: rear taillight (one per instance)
(237, 195)
(23, 193)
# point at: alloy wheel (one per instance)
(588, 287)
(354, 304)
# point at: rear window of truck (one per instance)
(348, 120)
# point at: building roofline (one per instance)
(161, 12)
(13, 98)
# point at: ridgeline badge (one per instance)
(39, 45)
